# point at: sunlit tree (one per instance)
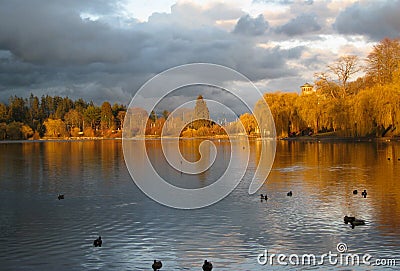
(384, 60)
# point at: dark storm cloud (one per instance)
(302, 24)
(376, 19)
(251, 26)
(48, 47)
(49, 33)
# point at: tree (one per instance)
(62, 106)
(33, 107)
(55, 128)
(344, 68)
(80, 105)
(26, 131)
(13, 130)
(73, 119)
(92, 116)
(120, 119)
(165, 114)
(249, 123)
(3, 112)
(201, 114)
(107, 117)
(283, 110)
(326, 86)
(153, 116)
(3, 130)
(384, 60)
(17, 111)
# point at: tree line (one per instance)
(340, 106)
(58, 117)
(366, 107)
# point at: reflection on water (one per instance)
(39, 232)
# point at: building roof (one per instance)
(307, 85)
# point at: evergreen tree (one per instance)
(201, 114)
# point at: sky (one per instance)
(106, 50)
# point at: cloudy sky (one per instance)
(105, 50)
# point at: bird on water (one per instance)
(364, 193)
(98, 242)
(207, 266)
(156, 265)
(263, 197)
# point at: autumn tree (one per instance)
(3, 112)
(13, 130)
(344, 68)
(384, 60)
(73, 119)
(55, 128)
(249, 123)
(3, 130)
(283, 110)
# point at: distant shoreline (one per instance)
(340, 139)
(314, 138)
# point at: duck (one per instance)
(355, 192)
(289, 194)
(97, 242)
(364, 193)
(263, 197)
(357, 222)
(156, 265)
(60, 196)
(348, 219)
(207, 266)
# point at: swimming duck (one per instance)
(289, 194)
(348, 219)
(207, 266)
(364, 193)
(60, 196)
(97, 242)
(263, 197)
(156, 265)
(355, 192)
(357, 222)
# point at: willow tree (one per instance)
(283, 110)
(249, 123)
(310, 111)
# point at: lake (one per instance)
(40, 232)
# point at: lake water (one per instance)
(40, 232)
